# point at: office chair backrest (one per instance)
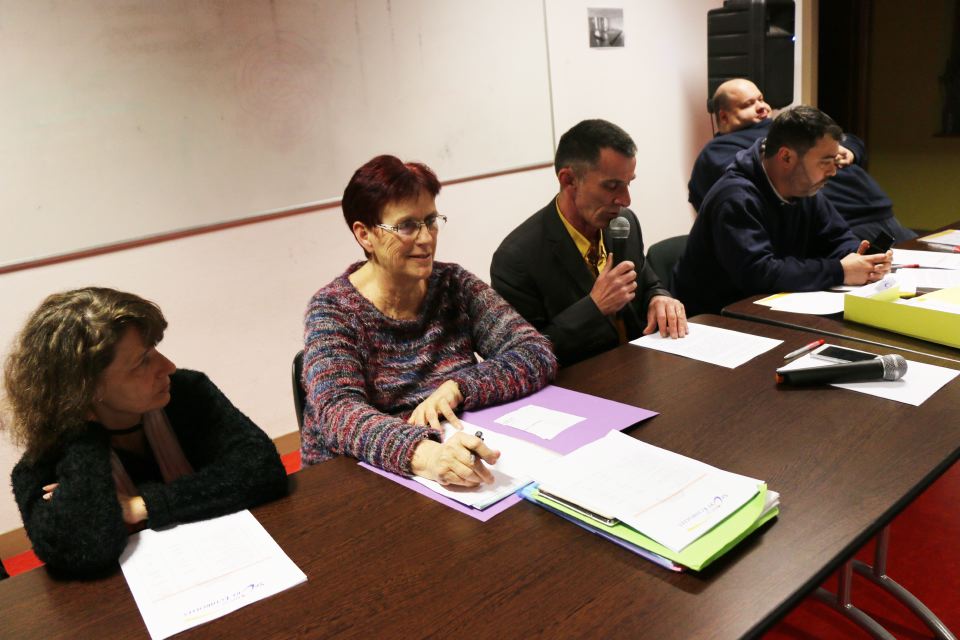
(299, 395)
(663, 255)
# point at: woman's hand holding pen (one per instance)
(457, 461)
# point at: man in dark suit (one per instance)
(557, 268)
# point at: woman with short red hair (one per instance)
(391, 344)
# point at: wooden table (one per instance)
(836, 327)
(383, 561)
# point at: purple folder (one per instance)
(601, 416)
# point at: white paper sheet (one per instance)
(950, 237)
(933, 303)
(722, 347)
(912, 279)
(540, 421)
(819, 303)
(668, 497)
(915, 387)
(928, 259)
(193, 573)
(887, 287)
(519, 461)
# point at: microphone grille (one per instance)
(619, 228)
(894, 366)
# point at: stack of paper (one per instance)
(674, 510)
(948, 238)
(518, 463)
(913, 279)
(927, 259)
(819, 303)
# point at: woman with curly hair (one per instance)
(116, 437)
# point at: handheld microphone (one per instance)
(619, 231)
(891, 367)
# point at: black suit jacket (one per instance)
(538, 269)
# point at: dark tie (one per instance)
(593, 258)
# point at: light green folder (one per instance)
(700, 552)
(926, 324)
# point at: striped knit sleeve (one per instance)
(518, 360)
(340, 414)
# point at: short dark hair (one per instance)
(579, 148)
(799, 129)
(383, 180)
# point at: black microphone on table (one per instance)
(891, 367)
(618, 231)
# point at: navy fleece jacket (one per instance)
(747, 240)
(856, 196)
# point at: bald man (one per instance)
(743, 117)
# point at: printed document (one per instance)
(722, 347)
(915, 387)
(665, 496)
(519, 462)
(193, 573)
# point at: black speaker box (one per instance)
(753, 39)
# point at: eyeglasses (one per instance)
(409, 229)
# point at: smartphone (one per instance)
(880, 244)
(833, 353)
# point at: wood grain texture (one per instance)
(383, 561)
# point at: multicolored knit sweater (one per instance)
(365, 372)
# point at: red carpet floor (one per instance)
(924, 557)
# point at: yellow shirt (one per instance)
(583, 245)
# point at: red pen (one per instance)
(810, 347)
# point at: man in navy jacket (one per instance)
(742, 118)
(765, 228)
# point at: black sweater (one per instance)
(746, 241)
(81, 531)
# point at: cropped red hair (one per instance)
(383, 180)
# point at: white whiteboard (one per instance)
(122, 119)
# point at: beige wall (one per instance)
(910, 46)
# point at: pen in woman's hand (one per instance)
(473, 457)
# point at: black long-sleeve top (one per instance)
(81, 531)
